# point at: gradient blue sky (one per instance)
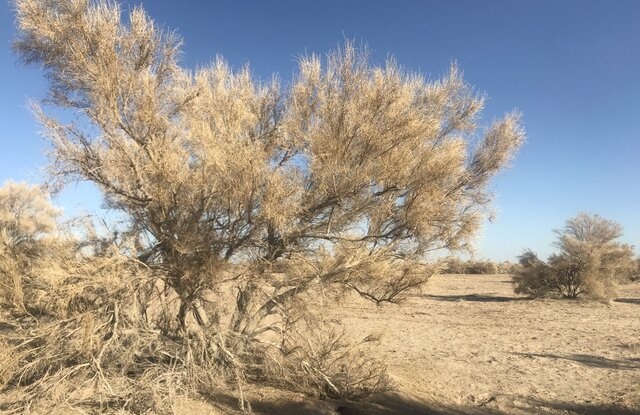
(571, 67)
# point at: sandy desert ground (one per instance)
(469, 345)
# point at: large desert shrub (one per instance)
(249, 200)
(590, 262)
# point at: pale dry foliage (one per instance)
(590, 262)
(27, 220)
(251, 202)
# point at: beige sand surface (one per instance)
(469, 345)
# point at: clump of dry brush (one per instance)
(85, 324)
(74, 328)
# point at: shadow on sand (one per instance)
(475, 297)
(536, 406)
(388, 404)
(397, 404)
(592, 361)
(627, 300)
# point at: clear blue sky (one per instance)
(571, 67)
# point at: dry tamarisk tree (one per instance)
(591, 262)
(346, 178)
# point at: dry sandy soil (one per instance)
(469, 345)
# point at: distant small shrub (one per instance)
(635, 272)
(454, 265)
(481, 267)
(590, 262)
(535, 277)
(508, 267)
